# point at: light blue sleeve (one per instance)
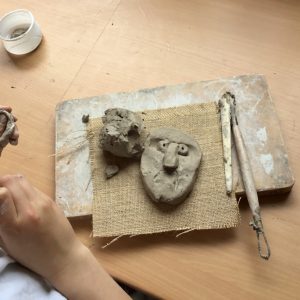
(17, 282)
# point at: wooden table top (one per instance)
(94, 47)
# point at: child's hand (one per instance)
(7, 108)
(34, 231)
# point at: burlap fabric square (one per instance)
(122, 207)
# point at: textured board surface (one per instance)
(255, 110)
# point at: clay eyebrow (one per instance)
(158, 139)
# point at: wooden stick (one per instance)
(224, 106)
(249, 184)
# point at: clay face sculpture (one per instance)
(121, 133)
(169, 165)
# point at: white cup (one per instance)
(19, 32)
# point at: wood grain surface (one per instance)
(94, 47)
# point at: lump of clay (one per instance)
(111, 170)
(121, 133)
(169, 165)
(8, 130)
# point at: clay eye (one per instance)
(163, 145)
(183, 149)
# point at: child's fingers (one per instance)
(8, 213)
(7, 108)
(15, 137)
(18, 194)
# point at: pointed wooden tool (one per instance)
(248, 181)
(224, 105)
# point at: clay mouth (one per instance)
(170, 179)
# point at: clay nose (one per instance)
(170, 161)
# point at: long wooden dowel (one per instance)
(224, 106)
(249, 184)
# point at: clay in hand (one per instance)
(8, 129)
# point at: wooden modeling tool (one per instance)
(248, 180)
(224, 105)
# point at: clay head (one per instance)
(121, 132)
(169, 165)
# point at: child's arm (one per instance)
(35, 232)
